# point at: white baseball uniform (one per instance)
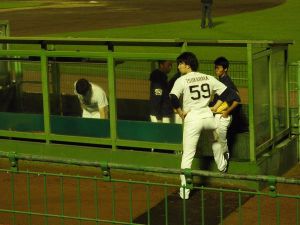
(90, 106)
(197, 89)
(220, 146)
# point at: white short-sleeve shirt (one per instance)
(98, 99)
(197, 89)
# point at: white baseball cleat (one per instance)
(226, 156)
(184, 193)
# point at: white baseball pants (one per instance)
(154, 119)
(220, 146)
(193, 125)
(87, 114)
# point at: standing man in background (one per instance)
(160, 106)
(92, 99)
(206, 13)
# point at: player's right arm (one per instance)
(176, 106)
(175, 94)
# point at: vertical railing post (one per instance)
(298, 106)
(252, 153)
(14, 166)
(271, 105)
(287, 88)
(45, 91)
(112, 97)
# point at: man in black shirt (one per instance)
(160, 107)
(223, 114)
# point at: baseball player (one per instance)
(160, 107)
(196, 89)
(223, 114)
(92, 99)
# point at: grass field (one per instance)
(19, 4)
(278, 23)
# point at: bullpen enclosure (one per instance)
(40, 121)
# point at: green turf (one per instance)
(277, 23)
(18, 4)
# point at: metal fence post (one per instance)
(298, 97)
(13, 161)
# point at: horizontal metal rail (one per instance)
(43, 41)
(262, 178)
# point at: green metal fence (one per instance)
(80, 192)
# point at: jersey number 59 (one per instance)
(199, 91)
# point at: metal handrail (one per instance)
(263, 178)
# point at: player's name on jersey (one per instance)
(195, 79)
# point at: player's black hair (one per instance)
(188, 58)
(222, 61)
(82, 86)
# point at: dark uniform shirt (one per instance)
(232, 96)
(239, 122)
(172, 81)
(160, 105)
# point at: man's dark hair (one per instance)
(222, 61)
(82, 86)
(190, 59)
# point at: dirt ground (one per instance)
(76, 15)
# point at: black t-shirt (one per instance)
(160, 105)
(239, 121)
(232, 96)
(172, 81)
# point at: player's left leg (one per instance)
(222, 128)
(191, 133)
(219, 156)
(220, 147)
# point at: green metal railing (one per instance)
(110, 198)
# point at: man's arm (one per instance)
(216, 106)
(233, 97)
(103, 112)
(230, 109)
(176, 106)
